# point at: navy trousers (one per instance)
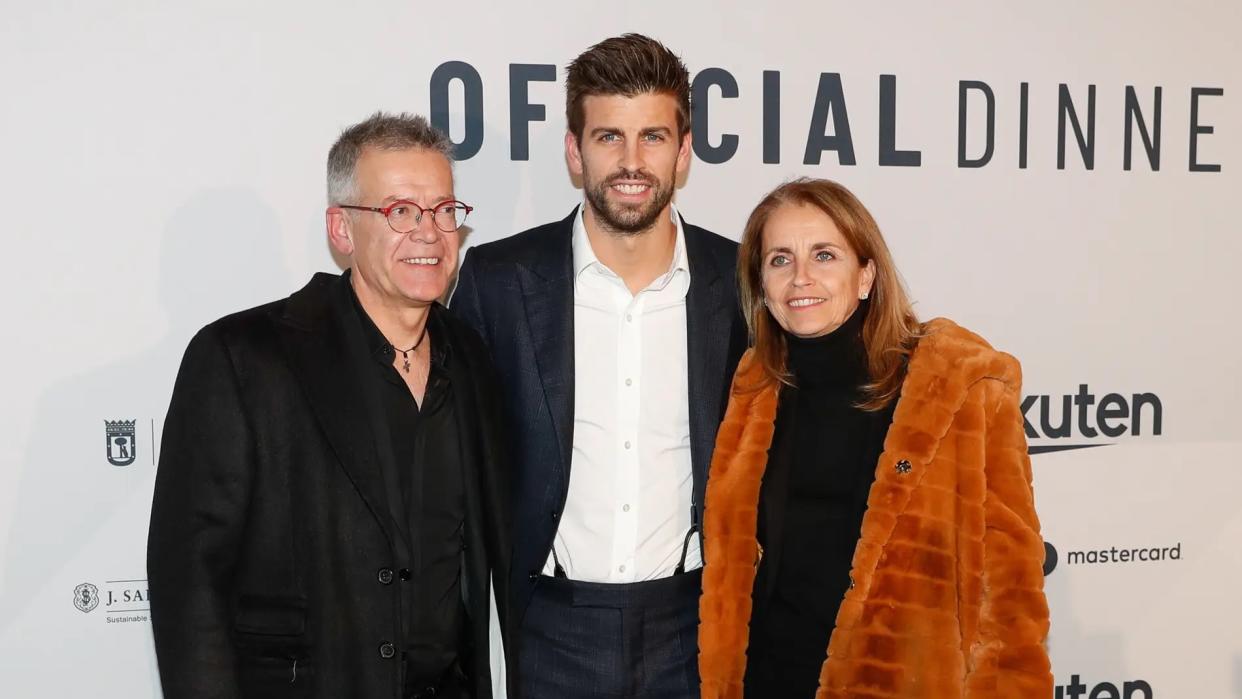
(637, 640)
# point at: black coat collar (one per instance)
(314, 338)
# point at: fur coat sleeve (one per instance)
(946, 599)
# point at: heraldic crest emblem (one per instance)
(122, 446)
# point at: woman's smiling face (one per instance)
(812, 278)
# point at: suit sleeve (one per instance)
(198, 516)
(1009, 658)
(466, 303)
(502, 633)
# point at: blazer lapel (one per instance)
(313, 335)
(548, 298)
(708, 317)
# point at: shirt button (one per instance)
(627, 444)
(625, 508)
(629, 382)
(629, 318)
(384, 576)
(622, 569)
(387, 650)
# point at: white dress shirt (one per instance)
(631, 481)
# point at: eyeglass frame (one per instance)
(387, 210)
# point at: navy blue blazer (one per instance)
(518, 294)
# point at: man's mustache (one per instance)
(631, 176)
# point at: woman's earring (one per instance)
(864, 296)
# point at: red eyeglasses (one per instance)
(404, 216)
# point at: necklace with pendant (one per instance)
(405, 353)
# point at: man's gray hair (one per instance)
(385, 132)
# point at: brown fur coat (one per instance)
(947, 593)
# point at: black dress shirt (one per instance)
(420, 454)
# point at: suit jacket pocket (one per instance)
(264, 677)
(270, 616)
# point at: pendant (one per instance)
(406, 364)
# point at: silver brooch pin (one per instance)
(903, 467)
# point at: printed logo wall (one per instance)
(1060, 179)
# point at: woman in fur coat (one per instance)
(870, 529)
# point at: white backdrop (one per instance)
(163, 165)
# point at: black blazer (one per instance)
(271, 549)
(518, 294)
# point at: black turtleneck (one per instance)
(820, 468)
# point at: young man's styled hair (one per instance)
(627, 65)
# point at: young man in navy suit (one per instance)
(616, 332)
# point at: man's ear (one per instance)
(573, 153)
(340, 233)
(684, 152)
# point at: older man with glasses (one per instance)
(330, 508)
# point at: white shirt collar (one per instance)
(585, 258)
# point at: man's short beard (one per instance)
(626, 220)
